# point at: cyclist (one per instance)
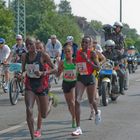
(70, 41)
(4, 59)
(69, 80)
(18, 49)
(85, 80)
(54, 48)
(36, 84)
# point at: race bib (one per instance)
(70, 75)
(31, 68)
(82, 68)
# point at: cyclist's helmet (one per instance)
(2, 41)
(70, 38)
(131, 47)
(110, 43)
(118, 24)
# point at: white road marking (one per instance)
(138, 80)
(24, 123)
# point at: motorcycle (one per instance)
(132, 63)
(108, 83)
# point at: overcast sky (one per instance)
(108, 11)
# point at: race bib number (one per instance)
(70, 75)
(31, 68)
(82, 68)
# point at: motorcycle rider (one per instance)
(115, 55)
(118, 37)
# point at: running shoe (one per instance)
(91, 115)
(77, 132)
(37, 133)
(98, 117)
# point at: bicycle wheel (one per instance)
(14, 91)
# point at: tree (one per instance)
(36, 11)
(64, 7)
(6, 23)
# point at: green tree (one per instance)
(35, 11)
(64, 7)
(63, 27)
(6, 23)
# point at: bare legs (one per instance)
(70, 99)
(29, 102)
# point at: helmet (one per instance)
(131, 47)
(19, 36)
(110, 43)
(2, 40)
(70, 38)
(118, 24)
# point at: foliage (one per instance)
(35, 10)
(6, 24)
(64, 7)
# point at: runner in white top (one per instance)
(4, 59)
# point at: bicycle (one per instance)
(16, 84)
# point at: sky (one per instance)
(108, 11)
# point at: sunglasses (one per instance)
(86, 42)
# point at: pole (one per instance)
(120, 10)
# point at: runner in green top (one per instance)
(69, 80)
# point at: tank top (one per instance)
(34, 65)
(69, 73)
(33, 82)
(83, 67)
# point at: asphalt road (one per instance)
(120, 120)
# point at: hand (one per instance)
(5, 61)
(84, 55)
(38, 73)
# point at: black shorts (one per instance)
(87, 80)
(67, 86)
(44, 93)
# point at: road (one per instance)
(120, 120)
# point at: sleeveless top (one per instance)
(32, 82)
(83, 67)
(69, 74)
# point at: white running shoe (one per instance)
(98, 117)
(77, 132)
(91, 115)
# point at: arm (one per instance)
(60, 69)
(46, 59)
(101, 57)
(23, 60)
